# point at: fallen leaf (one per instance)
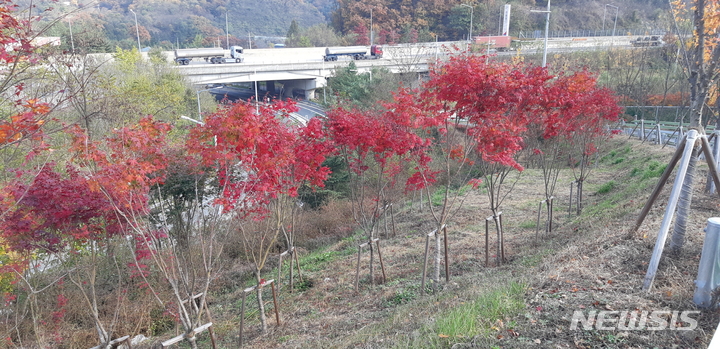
(443, 335)
(537, 341)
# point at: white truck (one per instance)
(356, 52)
(215, 55)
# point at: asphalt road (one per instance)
(307, 109)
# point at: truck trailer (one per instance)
(499, 42)
(654, 40)
(215, 55)
(356, 52)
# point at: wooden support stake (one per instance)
(537, 226)
(427, 252)
(199, 303)
(209, 318)
(280, 260)
(291, 252)
(115, 342)
(578, 192)
(242, 312)
(297, 261)
(382, 265)
(277, 312)
(669, 211)
(712, 165)
(658, 188)
(447, 259)
(633, 131)
(357, 271)
(487, 241)
(502, 238)
(670, 137)
(550, 214)
(212, 337)
(392, 218)
(571, 196)
(192, 334)
(385, 223)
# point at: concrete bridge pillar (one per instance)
(304, 89)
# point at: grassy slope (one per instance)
(586, 263)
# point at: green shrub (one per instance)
(477, 317)
(606, 188)
(403, 296)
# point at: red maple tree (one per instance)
(378, 146)
(501, 102)
(261, 161)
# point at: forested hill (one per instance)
(196, 23)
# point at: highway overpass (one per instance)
(303, 69)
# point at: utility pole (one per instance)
(137, 29)
(371, 27)
(227, 33)
(72, 42)
(471, 21)
(547, 28)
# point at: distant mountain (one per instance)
(196, 23)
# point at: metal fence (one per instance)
(537, 34)
(667, 114)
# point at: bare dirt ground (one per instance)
(587, 263)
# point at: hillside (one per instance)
(585, 264)
(197, 23)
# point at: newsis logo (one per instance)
(624, 320)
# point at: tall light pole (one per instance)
(371, 28)
(471, 20)
(72, 42)
(198, 101)
(201, 124)
(547, 28)
(614, 23)
(604, 13)
(227, 33)
(137, 29)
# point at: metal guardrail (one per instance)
(663, 133)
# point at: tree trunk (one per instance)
(498, 229)
(372, 261)
(438, 260)
(683, 211)
(710, 186)
(292, 265)
(578, 202)
(193, 342)
(261, 304)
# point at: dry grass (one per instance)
(586, 263)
